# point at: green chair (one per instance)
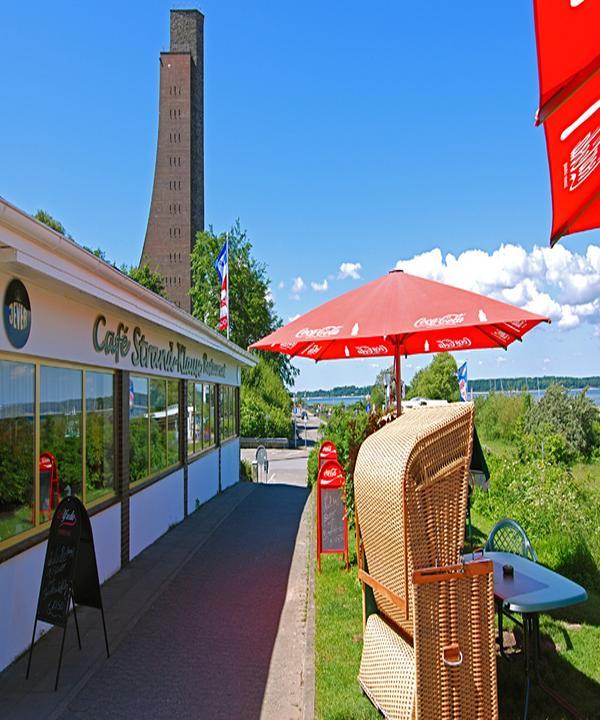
(508, 536)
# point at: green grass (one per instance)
(338, 642)
(570, 651)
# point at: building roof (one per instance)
(32, 248)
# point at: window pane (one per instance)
(17, 448)
(206, 427)
(213, 413)
(199, 417)
(173, 421)
(191, 418)
(60, 435)
(158, 425)
(99, 431)
(138, 428)
(222, 406)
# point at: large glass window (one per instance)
(158, 425)
(61, 443)
(74, 453)
(172, 421)
(201, 416)
(99, 435)
(17, 448)
(154, 426)
(228, 409)
(138, 428)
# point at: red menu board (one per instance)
(332, 520)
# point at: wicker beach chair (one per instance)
(429, 642)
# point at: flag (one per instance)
(462, 381)
(222, 267)
(569, 72)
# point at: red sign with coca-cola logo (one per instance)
(332, 521)
(327, 452)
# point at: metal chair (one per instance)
(508, 536)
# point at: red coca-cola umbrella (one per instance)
(569, 72)
(400, 314)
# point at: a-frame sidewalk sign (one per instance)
(70, 574)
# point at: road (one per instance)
(288, 466)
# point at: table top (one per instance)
(533, 587)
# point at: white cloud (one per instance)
(298, 285)
(294, 317)
(320, 287)
(558, 283)
(350, 270)
(281, 284)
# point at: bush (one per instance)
(265, 404)
(500, 417)
(573, 416)
(559, 517)
(259, 419)
(347, 428)
(245, 471)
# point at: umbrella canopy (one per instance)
(569, 72)
(400, 314)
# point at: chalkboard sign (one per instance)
(332, 523)
(333, 514)
(70, 572)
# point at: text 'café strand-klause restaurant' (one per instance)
(107, 392)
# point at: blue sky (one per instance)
(341, 134)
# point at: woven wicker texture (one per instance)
(420, 461)
(387, 670)
(456, 611)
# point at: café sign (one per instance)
(170, 358)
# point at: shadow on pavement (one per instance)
(203, 649)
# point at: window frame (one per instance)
(109, 497)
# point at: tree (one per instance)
(47, 219)
(437, 381)
(572, 416)
(144, 275)
(251, 311)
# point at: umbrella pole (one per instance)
(398, 382)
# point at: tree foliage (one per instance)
(251, 311)
(572, 416)
(437, 381)
(144, 275)
(51, 222)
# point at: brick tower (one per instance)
(177, 208)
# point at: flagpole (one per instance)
(228, 283)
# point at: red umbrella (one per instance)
(400, 314)
(569, 71)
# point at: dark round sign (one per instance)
(17, 313)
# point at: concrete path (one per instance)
(209, 622)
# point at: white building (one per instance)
(107, 392)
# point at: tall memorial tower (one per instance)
(177, 207)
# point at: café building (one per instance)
(107, 392)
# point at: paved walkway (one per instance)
(209, 622)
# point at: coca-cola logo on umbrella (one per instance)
(371, 349)
(444, 321)
(324, 332)
(454, 344)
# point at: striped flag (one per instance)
(222, 267)
(462, 381)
